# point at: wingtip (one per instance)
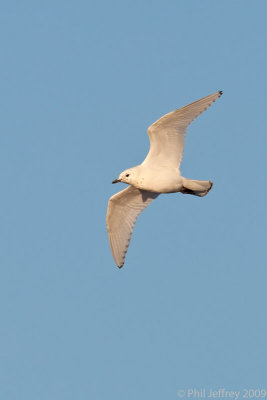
(220, 92)
(120, 266)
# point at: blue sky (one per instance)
(80, 83)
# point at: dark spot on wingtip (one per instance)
(221, 92)
(120, 266)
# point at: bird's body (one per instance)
(159, 173)
(158, 179)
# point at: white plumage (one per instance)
(159, 173)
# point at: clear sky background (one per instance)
(80, 83)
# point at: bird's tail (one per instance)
(196, 188)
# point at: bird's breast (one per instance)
(160, 181)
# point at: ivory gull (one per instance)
(158, 173)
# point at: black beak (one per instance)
(116, 180)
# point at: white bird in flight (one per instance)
(158, 173)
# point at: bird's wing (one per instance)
(167, 134)
(123, 210)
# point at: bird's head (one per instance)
(126, 176)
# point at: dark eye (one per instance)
(127, 175)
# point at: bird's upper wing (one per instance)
(123, 210)
(167, 134)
